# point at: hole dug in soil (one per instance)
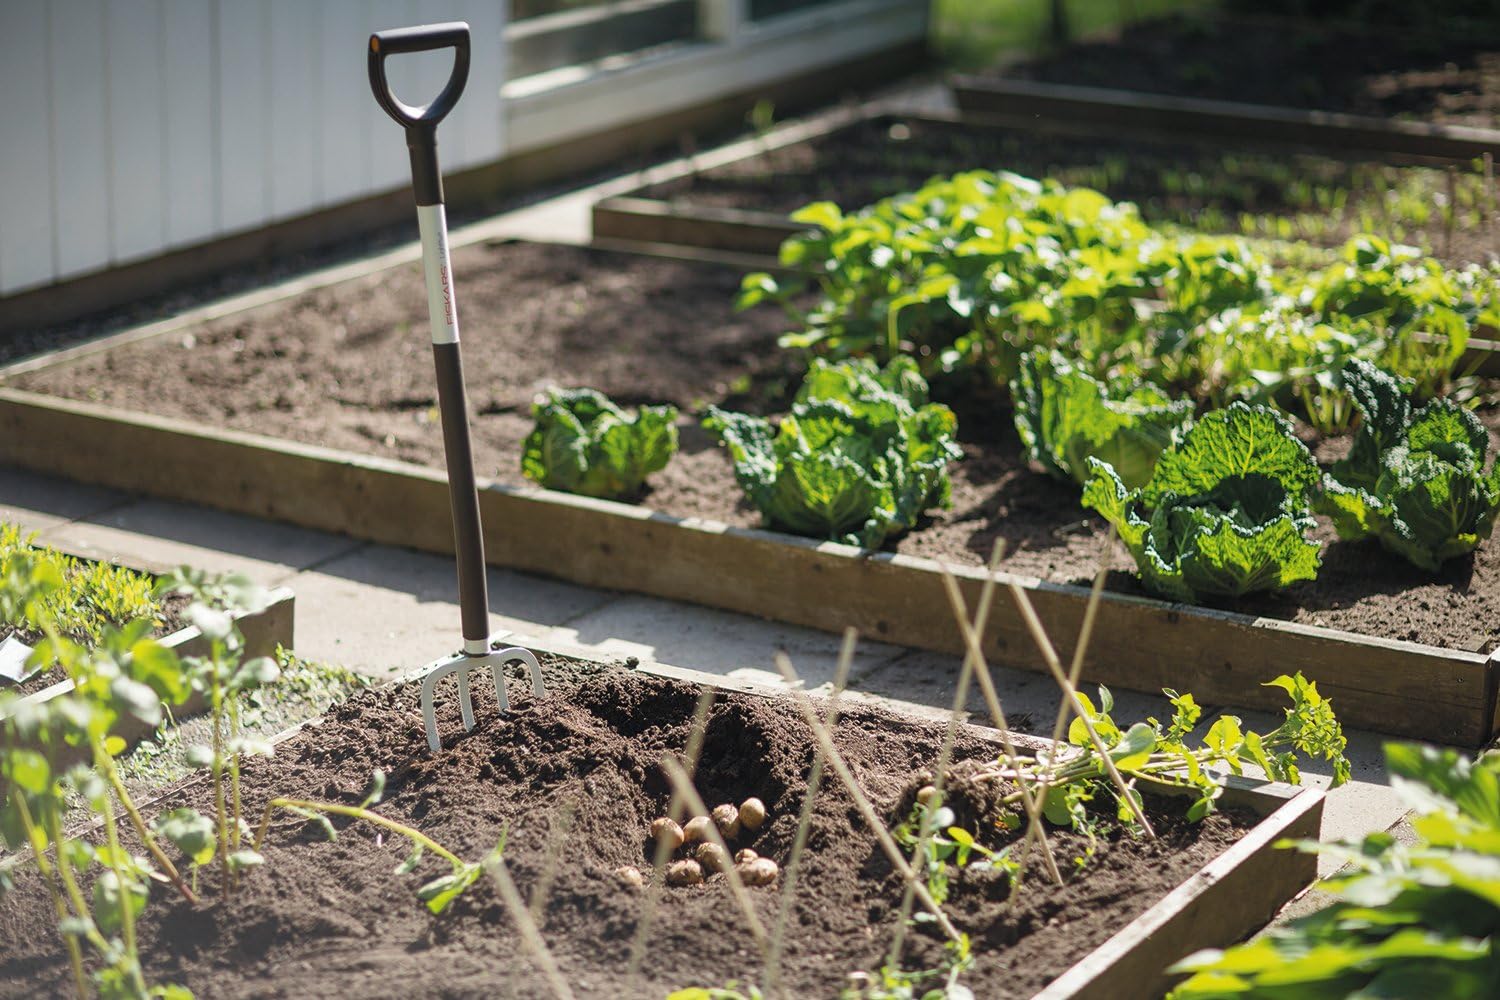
(330, 918)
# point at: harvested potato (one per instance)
(761, 871)
(684, 873)
(745, 856)
(727, 819)
(667, 829)
(697, 829)
(630, 877)
(712, 857)
(752, 813)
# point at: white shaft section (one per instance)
(432, 221)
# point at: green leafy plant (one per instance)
(438, 893)
(88, 597)
(1065, 416)
(1409, 920)
(861, 456)
(584, 443)
(1415, 479)
(1225, 513)
(64, 750)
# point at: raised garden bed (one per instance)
(340, 373)
(325, 917)
(1431, 73)
(264, 630)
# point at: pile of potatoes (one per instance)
(706, 857)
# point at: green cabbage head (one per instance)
(584, 443)
(1225, 513)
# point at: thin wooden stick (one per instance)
(972, 642)
(1085, 633)
(683, 786)
(861, 801)
(496, 869)
(663, 847)
(1049, 656)
(945, 752)
(804, 819)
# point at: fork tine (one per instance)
(497, 673)
(465, 703)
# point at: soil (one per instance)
(327, 918)
(172, 611)
(1205, 186)
(1411, 74)
(348, 367)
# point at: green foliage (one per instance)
(972, 270)
(89, 596)
(1415, 479)
(1409, 920)
(584, 443)
(1157, 752)
(859, 459)
(1065, 416)
(1224, 513)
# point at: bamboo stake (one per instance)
(1085, 632)
(804, 819)
(972, 642)
(683, 786)
(1049, 656)
(497, 870)
(861, 801)
(663, 849)
(555, 843)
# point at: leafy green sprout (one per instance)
(438, 893)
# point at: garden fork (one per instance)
(480, 650)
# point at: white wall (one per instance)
(131, 127)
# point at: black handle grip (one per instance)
(422, 38)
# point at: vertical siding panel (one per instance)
(26, 233)
(293, 114)
(344, 92)
(482, 122)
(190, 83)
(243, 140)
(79, 136)
(136, 99)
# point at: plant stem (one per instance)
(356, 812)
(35, 835)
(106, 765)
(216, 701)
(127, 910)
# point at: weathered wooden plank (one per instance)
(643, 220)
(1123, 109)
(1233, 895)
(1395, 687)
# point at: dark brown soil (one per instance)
(1420, 75)
(1318, 199)
(326, 919)
(172, 609)
(348, 367)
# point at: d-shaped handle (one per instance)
(422, 38)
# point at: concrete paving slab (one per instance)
(1030, 700)
(381, 610)
(1363, 805)
(174, 534)
(716, 642)
(38, 502)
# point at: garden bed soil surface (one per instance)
(1315, 198)
(329, 918)
(1451, 77)
(172, 610)
(349, 367)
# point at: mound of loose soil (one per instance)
(349, 367)
(330, 919)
